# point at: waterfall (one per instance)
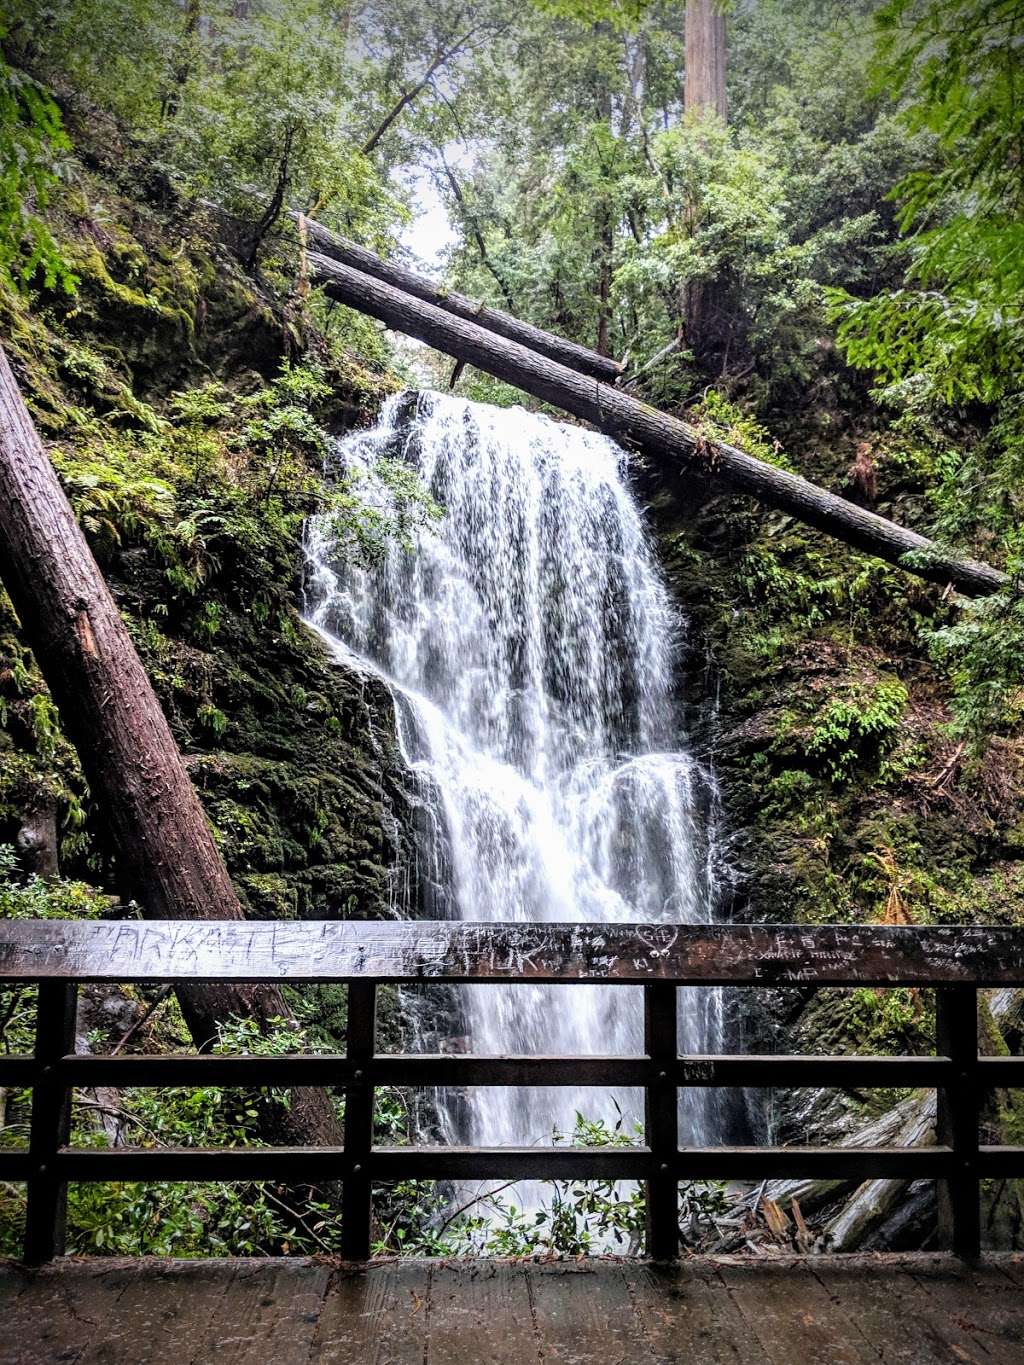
(531, 646)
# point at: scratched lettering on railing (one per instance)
(695, 1073)
(454, 951)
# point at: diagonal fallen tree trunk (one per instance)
(654, 433)
(340, 249)
(112, 716)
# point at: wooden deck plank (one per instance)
(582, 1311)
(1011, 1266)
(686, 1319)
(893, 1311)
(482, 1306)
(374, 1315)
(791, 1314)
(289, 1340)
(925, 1310)
(879, 1300)
(272, 1315)
(157, 1312)
(977, 1302)
(56, 1315)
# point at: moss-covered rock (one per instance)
(185, 405)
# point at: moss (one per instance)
(832, 744)
(847, 798)
(191, 453)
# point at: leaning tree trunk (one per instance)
(667, 439)
(111, 714)
(704, 88)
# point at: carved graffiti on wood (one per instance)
(409, 951)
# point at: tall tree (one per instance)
(604, 224)
(185, 58)
(704, 88)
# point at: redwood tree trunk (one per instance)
(705, 58)
(111, 714)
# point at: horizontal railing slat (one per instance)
(691, 1163)
(447, 1070)
(17, 1072)
(1000, 1163)
(537, 1163)
(299, 1165)
(14, 1165)
(405, 1163)
(456, 951)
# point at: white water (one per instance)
(530, 644)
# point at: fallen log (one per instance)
(813, 1192)
(576, 357)
(875, 1199)
(166, 851)
(911, 1123)
(634, 423)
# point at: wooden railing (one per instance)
(660, 958)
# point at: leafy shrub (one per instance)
(43, 898)
(32, 146)
(851, 728)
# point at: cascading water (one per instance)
(530, 645)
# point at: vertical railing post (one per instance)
(957, 1119)
(361, 1042)
(46, 1212)
(661, 1112)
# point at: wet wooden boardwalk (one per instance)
(820, 1311)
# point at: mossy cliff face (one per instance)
(848, 794)
(184, 408)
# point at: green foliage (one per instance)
(848, 728)
(220, 489)
(888, 1021)
(237, 106)
(718, 417)
(576, 1218)
(719, 237)
(624, 14)
(579, 1215)
(204, 1219)
(981, 652)
(32, 146)
(953, 333)
(162, 1219)
(717, 222)
(41, 897)
(114, 500)
(958, 331)
(32, 898)
(796, 587)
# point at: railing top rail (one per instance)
(457, 951)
